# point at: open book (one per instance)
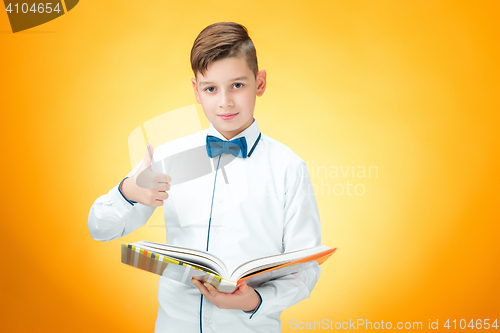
(182, 264)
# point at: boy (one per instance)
(258, 201)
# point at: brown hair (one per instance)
(222, 40)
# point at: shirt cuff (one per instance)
(257, 308)
(123, 195)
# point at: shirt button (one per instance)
(217, 230)
(221, 200)
(208, 321)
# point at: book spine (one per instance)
(166, 267)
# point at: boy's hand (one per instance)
(146, 186)
(244, 298)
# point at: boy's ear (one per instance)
(261, 82)
(195, 88)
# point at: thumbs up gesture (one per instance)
(146, 186)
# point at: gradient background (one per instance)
(410, 87)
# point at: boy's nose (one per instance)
(225, 101)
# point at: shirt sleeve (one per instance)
(113, 216)
(302, 229)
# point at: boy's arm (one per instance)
(302, 229)
(127, 206)
(113, 216)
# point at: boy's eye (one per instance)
(240, 85)
(210, 89)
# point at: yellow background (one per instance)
(410, 87)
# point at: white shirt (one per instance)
(260, 205)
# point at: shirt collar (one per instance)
(251, 134)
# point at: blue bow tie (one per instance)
(236, 147)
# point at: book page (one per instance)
(257, 280)
(195, 257)
(272, 261)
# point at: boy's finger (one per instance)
(161, 177)
(244, 288)
(197, 283)
(159, 185)
(162, 187)
(211, 289)
(162, 196)
(201, 287)
(167, 178)
(152, 180)
(194, 281)
(157, 203)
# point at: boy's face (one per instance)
(227, 93)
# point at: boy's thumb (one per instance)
(144, 175)
(149, 155)
(146, 162)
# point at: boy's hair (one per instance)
(222, 40)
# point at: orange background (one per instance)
(410, 87)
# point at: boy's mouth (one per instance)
(227, 116)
